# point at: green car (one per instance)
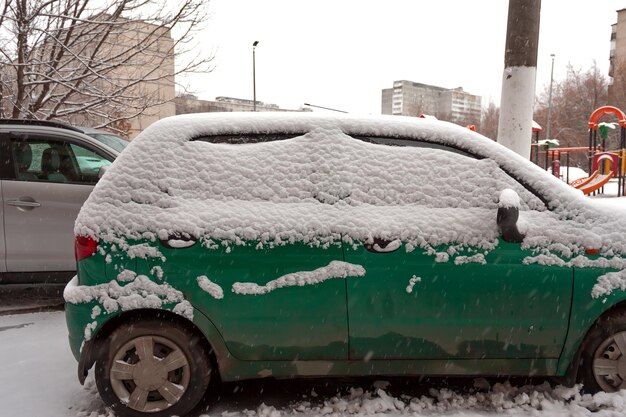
(238, 246)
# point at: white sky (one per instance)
(341, 53)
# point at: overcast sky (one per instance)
(341, 53)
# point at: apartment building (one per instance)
(617, 69)
(409, 98)
(146, 75)
(125, 72)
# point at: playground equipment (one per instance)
(603, 165)
(601, 161)
(581, 182)
(534, 143)
(596, 182)
(555, 154)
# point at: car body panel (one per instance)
(41, 238)
(79, 317)
(502, 309)
(3, 264)
(586, 310)
(308, 322)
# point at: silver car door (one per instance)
(42, 200)
(3, 264)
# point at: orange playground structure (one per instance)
(603, 164)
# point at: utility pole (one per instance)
(518, 81)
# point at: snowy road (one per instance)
(38, 379)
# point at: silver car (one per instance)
(48, 171)
(109, 139)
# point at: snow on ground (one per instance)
(38, 379)
(574, 173)
(38, 376)
(609, 196)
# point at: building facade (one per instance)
(617, 69)
(146, 77)
(188, 103)
(116, 74)
(408, 98)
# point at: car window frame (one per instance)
(7, 165)
(223, 139)
(420, 143)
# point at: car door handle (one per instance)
(24, 204)
(178, 242)
(383, 246)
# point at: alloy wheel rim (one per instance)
(609, 363)
(149, 373)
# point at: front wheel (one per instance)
(604, 356)
(152, 368)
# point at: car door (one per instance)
(409, 306)
(265, 302)
(48, 179)
(457, 301)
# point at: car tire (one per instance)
(152, 368)
(603, 358)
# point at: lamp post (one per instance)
(550, 101)
(254, 74)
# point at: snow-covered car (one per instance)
(238, 246)
(48, 170)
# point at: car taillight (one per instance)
(84, 247)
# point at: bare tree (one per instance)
(573, 101)
(101, 61)
(489, 122)
(617, 90)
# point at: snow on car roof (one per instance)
(325, 185)
(179, 129)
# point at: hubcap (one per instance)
(149, 373)
(609, 363)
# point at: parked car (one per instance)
(108, 138)
(244, 246)
(49, 170)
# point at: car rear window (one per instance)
(244, 138)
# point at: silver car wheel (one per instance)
(609, 363)
(149, 373)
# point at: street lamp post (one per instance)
(254, 74)
(550, 101)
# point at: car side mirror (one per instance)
(508, 213)
(102, 170)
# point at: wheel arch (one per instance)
(212, 340)
(571, 375)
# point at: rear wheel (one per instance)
(151, 368)
(604, 356)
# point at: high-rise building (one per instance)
(408, 98)
(617, 69)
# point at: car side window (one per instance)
(41, 160)
(456, 177)
(529, 201)
(89, 163)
